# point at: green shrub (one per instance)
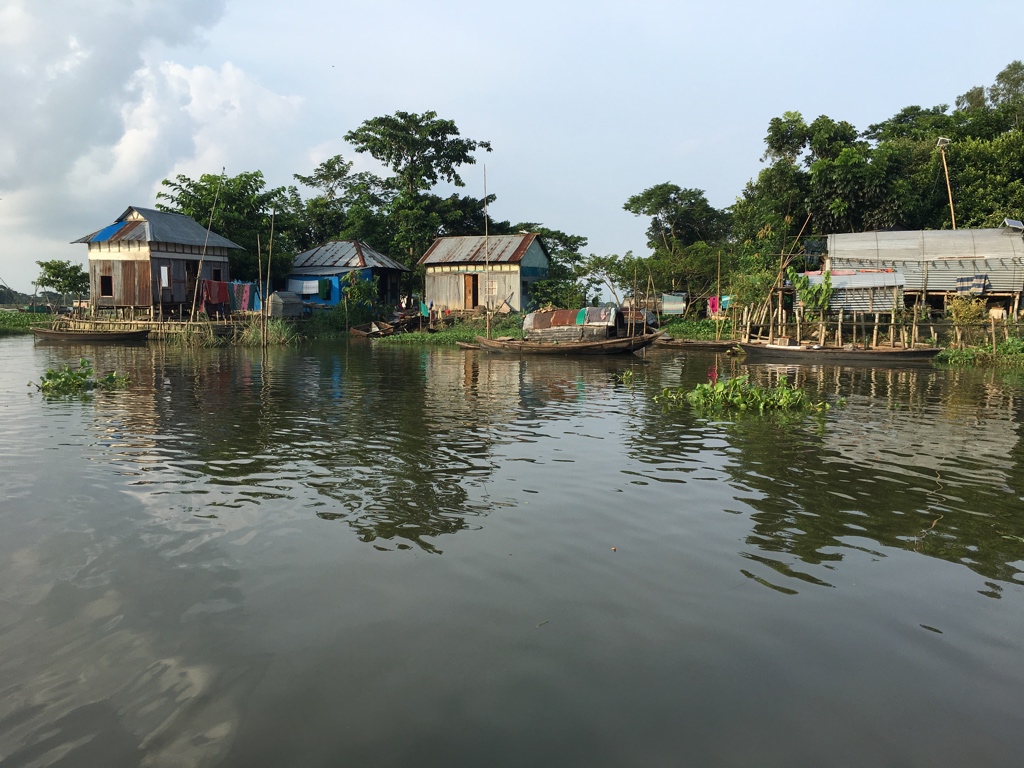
(17, 322)
(69, 381)
(702, 329)
(739, 394)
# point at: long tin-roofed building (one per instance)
(466, 272)
(317, 273)
(937, 262)
(149, 258)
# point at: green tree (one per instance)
(63, 277)
(682, 223)
(242, 208)
(421, 150)
(567, 285)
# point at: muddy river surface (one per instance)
(359, 554)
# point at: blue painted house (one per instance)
(318, 274)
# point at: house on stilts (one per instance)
(149, 262)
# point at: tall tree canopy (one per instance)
(63, 277)
(421, 150)
(239, 208)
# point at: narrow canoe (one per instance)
(602, 347)
(777, 353)
(92, 337)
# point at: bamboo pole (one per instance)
(839, 329)
(874, 335)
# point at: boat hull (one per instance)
(91, 337)
(602, 347)
(771, 353)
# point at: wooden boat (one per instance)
(92, 336)
(779, 353)
(373, 330)
(466, 345)
(611, 346)
(696, 344)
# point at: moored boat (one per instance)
(587, 331)
(600, 347)
(776, 353)
(703, 345)
(372, 330)
(92, 336)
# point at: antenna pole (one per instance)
(949, 189)
(202, 257)
(487, 261)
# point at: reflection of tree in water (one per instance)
(346, 432)
(918, 464)
(919, 459)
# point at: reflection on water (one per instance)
(252, 556)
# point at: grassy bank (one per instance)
(1008, 354)
(464, 330)
(697, 329)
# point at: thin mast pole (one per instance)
(949, 189)
(202, 257)
(270, 257)
(487, 261)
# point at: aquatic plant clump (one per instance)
(739, 394)
(69, 381)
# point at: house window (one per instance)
(165, 277)
(216, 275)
(106, 285)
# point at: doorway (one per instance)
(471, 291)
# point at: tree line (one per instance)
(819, 177)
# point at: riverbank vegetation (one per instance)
(463, 330)
(17, 322)
(820, 175)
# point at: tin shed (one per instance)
(470, 271)
(317, 273)
(934, 262)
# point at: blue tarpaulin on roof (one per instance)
(106, 233)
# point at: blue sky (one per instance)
(585, 103)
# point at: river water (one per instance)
(357, 554)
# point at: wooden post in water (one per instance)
(992, 320)
(874, 335)
(839, 329)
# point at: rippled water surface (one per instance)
(365, 555)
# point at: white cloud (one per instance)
(99, 124)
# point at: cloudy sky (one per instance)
(585, 102)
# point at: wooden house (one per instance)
(151, 259)
(317, 274)
(467, 272)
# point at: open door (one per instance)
(471, 291)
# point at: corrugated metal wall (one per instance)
(131, 281)
(447, 289)
(139, 283)
(1005, 275)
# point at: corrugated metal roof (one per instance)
(471, 249)
(927, 245)
(339, 256)
(157, 227)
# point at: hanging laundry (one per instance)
(963, 284)
(712, 305)
(979, 284)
